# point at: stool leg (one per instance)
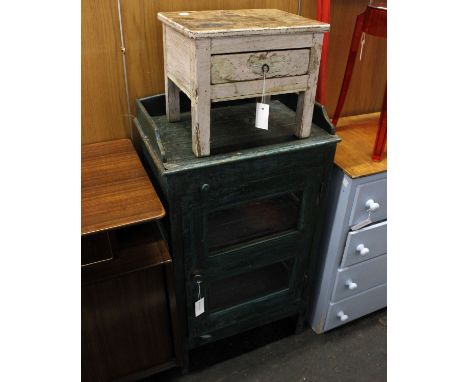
(381, 138)
(305, 101)
(172, 101)
(171, 89)
(201, 98)
(353, 49)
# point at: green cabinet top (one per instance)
(233, 137)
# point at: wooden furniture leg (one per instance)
(171, 89)
(172, 101)
(201, 101)
(305, 101)
(381, 138)
(358, 30)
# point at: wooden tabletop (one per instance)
(115, 189)
(354, 152)
(221, 23)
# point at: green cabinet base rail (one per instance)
(243, 224)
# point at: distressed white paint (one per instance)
(248, 66)
(250, 89)
(305, 103)
(258, 43)
(214, 58)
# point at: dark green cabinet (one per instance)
(243, 224)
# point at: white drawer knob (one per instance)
(363, 251)
(342, 316)
(351, 285)
(371, 205)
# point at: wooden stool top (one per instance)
(115, 189)
(221, 23)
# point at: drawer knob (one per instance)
(363, 251)
(205, 187)
(372, 206)
(342, 316)
(351, 285)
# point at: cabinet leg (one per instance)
(300, 324)
(172, 101)
(184, 369)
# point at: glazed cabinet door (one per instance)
(245, 249)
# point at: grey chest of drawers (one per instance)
(353, 275)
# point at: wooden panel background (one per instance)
(104, 106)
(367, 87)
(103, 96)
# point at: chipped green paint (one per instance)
(271, 163)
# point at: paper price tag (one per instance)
(199, 307)
(261, 116)
(361, 224)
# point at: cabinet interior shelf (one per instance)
(122, 251)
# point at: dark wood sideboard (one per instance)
(128, 299)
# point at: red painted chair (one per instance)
(323, 14)
(372, 21)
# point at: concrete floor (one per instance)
(355, 352)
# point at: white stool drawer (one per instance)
(356, 306)
(365, 244)
(360, 277)
(248, 66)
(371, 196)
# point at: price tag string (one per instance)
(264, 69)
(199, 289)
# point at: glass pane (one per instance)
(235, 290)
(253, 220)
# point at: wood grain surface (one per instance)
(103, 98)
(115, 189)
(125, 326)
(239, 22)
(354, 153)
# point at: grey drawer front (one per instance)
(361, 277)
(371, 240)
(377, 191)
(357, 306)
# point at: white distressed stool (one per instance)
(219, 55)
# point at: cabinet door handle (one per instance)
(362, 249)
(351, 285)
(197, 277)
(372, 206)
(342, 316)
